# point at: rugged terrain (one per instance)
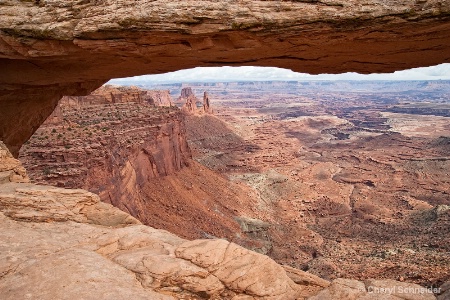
(347, 187)
(49, 49)
(134, 154)
(64, 244)
(53, 48)
(314, 182)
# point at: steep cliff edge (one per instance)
(65, 244)
(134, 155)
(104, 135)
(53, 48)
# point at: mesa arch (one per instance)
(53, 48)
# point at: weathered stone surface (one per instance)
(111, 142)
(64, 244)
(75, 274)
(19, 118)
(207, 104)
(109, 94)
(188, 100)
(38, 203)
(71, 47)
(44, 259)
(239, 269)
(11, 170)
(305, 278)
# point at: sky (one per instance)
(223, 74)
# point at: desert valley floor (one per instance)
(338, 179)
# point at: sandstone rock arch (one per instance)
(53, 48)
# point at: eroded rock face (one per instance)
(207, 104)
(134, 155)
(111, 142)
(11, 170)
(65, 244)
(72, 47)
(188, 101)
(109, 94)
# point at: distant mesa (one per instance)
(190, 104)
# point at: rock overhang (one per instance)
(53, 48)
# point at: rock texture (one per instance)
(207, 104)
(113, 131)
(72, 47)
(109, 94)
(11, 169)
(112, 141)
(135, 156)
(188, 101)
(191, 105)
(65, 244)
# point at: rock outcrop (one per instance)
(191, 105)
(111, 142)
(11, 170)
(108, 94)
(207, 109)
(188, 101)
(53, 48)
(135, 156)
(160, 98)
(65, 244)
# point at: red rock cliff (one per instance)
(111, 141)
(135, 156)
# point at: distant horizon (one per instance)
(247, 80)
(249, 73)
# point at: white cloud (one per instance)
(205, 74)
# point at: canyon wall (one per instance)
(111, 142)
(53, 48)
(118, 144)
(64, 244)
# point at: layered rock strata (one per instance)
(72, 47)
(206, 104)
(191, 105)
(109, 94)
(135, 156)
(188, 101)
(64, 244)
